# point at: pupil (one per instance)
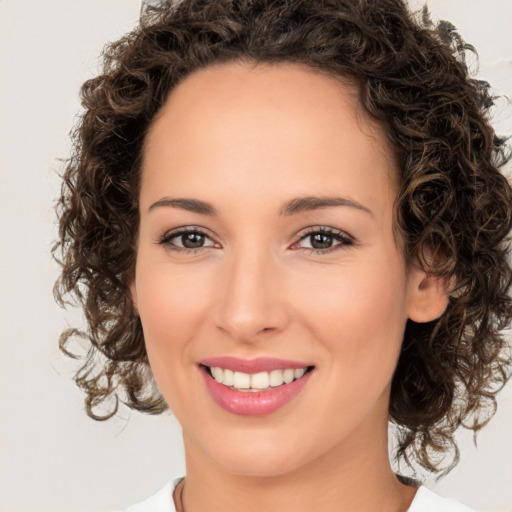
(321, 241)
(192, 240)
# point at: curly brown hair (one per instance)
(453, 200)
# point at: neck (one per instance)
(354, 476)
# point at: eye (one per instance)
(323, 240)
(188, 239)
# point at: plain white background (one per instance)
(52, 456)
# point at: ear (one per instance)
(427, 295)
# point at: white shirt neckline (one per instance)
(425, 500)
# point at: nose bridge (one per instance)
(252, 293)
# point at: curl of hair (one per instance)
(453, 212)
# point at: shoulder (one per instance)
(162, 501)
(428, 501)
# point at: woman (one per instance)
(290, 214)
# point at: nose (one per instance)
(252, 305)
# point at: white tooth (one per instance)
(276, 378)
(288, 375)
(259, 380)
(217, 374)
(297, 373)
(241, 380)
(228, 380)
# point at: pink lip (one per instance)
(260, 364)
(259, 403)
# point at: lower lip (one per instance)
(256, 403)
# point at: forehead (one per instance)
(278, 85)
(234, 121)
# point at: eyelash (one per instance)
(339, 236)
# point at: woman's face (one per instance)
(265, 245)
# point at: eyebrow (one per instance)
(309, 203)
(292, 207)
(191, 205)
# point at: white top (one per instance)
(424, 501)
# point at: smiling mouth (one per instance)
(255, 382)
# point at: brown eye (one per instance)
(324, 240)
(321, 241)
(186, 239)
(192, 240)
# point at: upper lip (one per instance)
(260, 364)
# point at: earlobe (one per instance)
(428, 296)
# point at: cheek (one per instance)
(168, 298)
(358, 312)
(357, 319)
(172, 306)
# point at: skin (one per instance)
(248, 139)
